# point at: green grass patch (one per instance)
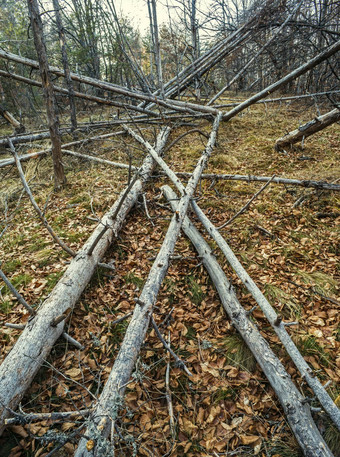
(197, 294)
(308, 345)
(238, 353)
(131, 278)
(52, 280)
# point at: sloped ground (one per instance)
(292, 254)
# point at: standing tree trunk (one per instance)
(69, 84)
(157, 48)
(52, 117)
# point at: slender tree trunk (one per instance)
(293, 403)
(53, 121)
(69, 83)
(157, 49)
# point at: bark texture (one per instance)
(53, 121)
(111, 399)
(36, 341)
(296, 410)
(308, 129)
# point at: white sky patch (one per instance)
(137, 12)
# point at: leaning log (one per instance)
(88, 97)
(106, 411)
(115, 88)
(321, 57)
(294, 404)
(36, 341)
(316, 125)
(18, 127)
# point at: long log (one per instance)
(316, 125)
(166, 103)
(33, 155)
(308, 183)
(269, 312)
(322, 56)
(294, 405)
(110, 399)
(36, 341)
(91, 98)
(281, 99)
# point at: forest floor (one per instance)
(227, 407)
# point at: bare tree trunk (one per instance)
(296, 409)
(35, 343)
(308, 129)
(69, 83)
(91, 98)
(53, 121)
(157, 48)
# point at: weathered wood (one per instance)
(35, 343)
(316, 125)
(285, 181)
(331, 50)
(18, 127)
(125, 166)
(111, 397)
(52, 117)
(166, 103)
(267, 309)
(88, 97)
(23, 418)
(272, 316)
(296, 409)
(281, 99)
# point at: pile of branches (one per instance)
(47, 323)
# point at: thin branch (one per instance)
(35, 206)
(246, 206)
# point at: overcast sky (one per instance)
(137, 11)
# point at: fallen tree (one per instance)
(294, 405)
(316, 125)
(308, 183)
(36, 341)
(114, 88)
(18, 127)
(91, 98)
(273, 318)
(324, 55)
(102, 420)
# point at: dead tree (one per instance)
(106, 412)
(269, 312)
(308, 129)
(18, 127)
(36, 341)
(294, 405)
(321, 57)
(52, 117)
(253, 59)
(61, 33)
